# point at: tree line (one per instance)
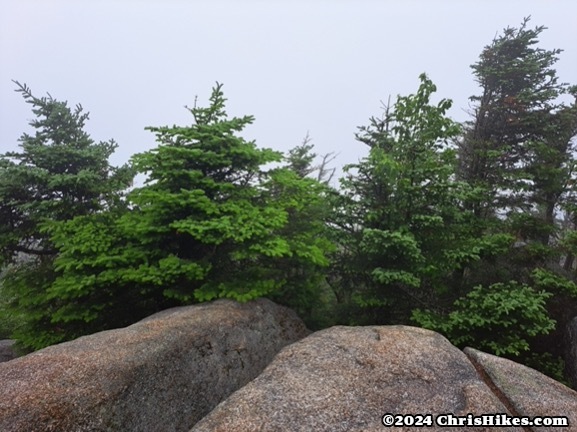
(469, 229)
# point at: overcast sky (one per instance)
(297, 66)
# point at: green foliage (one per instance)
(220, 209)
(399, 225)
(465, 229)
(10, 319)
(548, 281)
(300, 158)
(209, 223)
(518, 153)
(60, 173)
(24, 297)
(499, 318)
(552, 366)
(519, 139)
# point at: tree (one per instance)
(518, 146)
(401, 227)
(60, 173)
(500, 319)
(300, 160)
(517, 154)
(222, 216)
(315, 177)
(210, 222)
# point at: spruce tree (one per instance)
(59, 173)
(517, 154)
(518, 146)
(211, 221)
(401, 229)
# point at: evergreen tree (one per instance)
(301, 160)
(60, 173)
(401, 227)
(315, 178)
(210, 222)
(518, 146)
(518, 156)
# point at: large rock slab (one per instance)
(346, 378)
(526, 391)
(7, 352)
(161, 374)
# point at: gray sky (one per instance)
(297, 66)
